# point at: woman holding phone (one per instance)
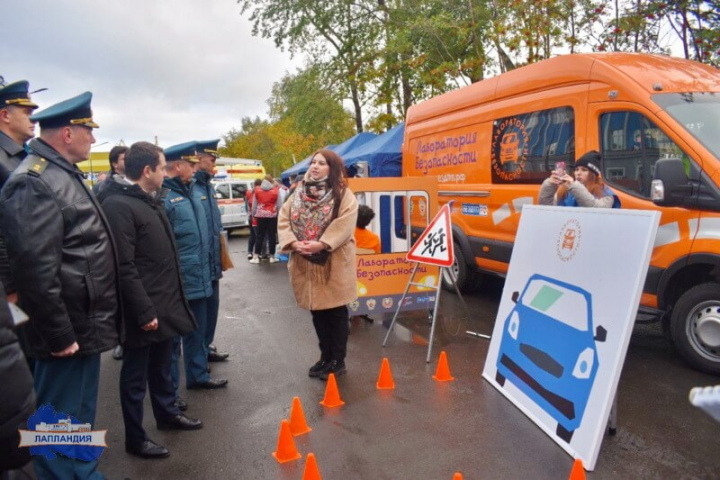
(586, 189)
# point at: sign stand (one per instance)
(434, 247)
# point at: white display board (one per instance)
(566, 315)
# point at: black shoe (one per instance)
(317, 368)
(181, 404)
(179, 422)
(118, 352)
(215, 356)
(147, 449)
(209, 369)
(334, 366)
(211, 384)
(212, 348)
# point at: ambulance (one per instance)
(656, 121)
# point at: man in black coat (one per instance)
(64, 263)
(17, 399)
(154, 303)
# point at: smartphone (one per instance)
(560, 168)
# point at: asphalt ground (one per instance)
(421, 430)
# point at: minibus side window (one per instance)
(631, 145)
(526, 147)
(223, 190)
(238, 190)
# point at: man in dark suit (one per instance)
(154, 303)
(64, 263)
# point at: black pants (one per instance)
(332, 329)
(251, 239)
(146, 365)
(266, 230)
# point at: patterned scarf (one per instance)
(311, 210)
(310, 214)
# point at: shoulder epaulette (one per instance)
(38, 166)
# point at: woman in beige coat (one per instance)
(316, 226)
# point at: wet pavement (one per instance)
(421, 430)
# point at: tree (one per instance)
(311, 108)
(339, 34)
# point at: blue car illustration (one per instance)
(548, 349)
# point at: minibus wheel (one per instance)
(695, 327)
(467, 280)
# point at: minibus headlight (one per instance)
(657, 191)
(514, 325)
(584, 364)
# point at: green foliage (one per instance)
(304, 116)
(382, 56)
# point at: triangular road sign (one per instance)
(435, 245)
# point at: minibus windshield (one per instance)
(698, 112)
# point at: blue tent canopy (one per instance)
(349, 144)
(383, 154)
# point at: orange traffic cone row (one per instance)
(577, 472)
(457, 476)
(442, 374)
(311, 469)
(286, 449)
(332, 395)
(385, 380)
(298, 424)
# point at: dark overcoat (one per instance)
(150, 282)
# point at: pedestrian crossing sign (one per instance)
(435, 245)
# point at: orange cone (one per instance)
(311, 469)
(442, 374)
(298, 425)
(385, 380)
(577, 472)
(332, 395)
(457, 476)
(286, 450)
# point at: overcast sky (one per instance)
(176, 69)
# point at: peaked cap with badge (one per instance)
(16, 93)
(183, 151)
(209, 147)
(73, 111)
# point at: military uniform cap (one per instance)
(16, 93)
(209, 147)
(183, 151)
(73, 111)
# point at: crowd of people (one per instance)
(134, 261)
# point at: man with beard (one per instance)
(154, 303)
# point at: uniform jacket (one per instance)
(150, 281)
(341, 287)
(11, 154)
(189, 224)
(17, 398)
(206, 191)
(62, 256)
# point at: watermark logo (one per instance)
(50, 432)
(568, 240)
